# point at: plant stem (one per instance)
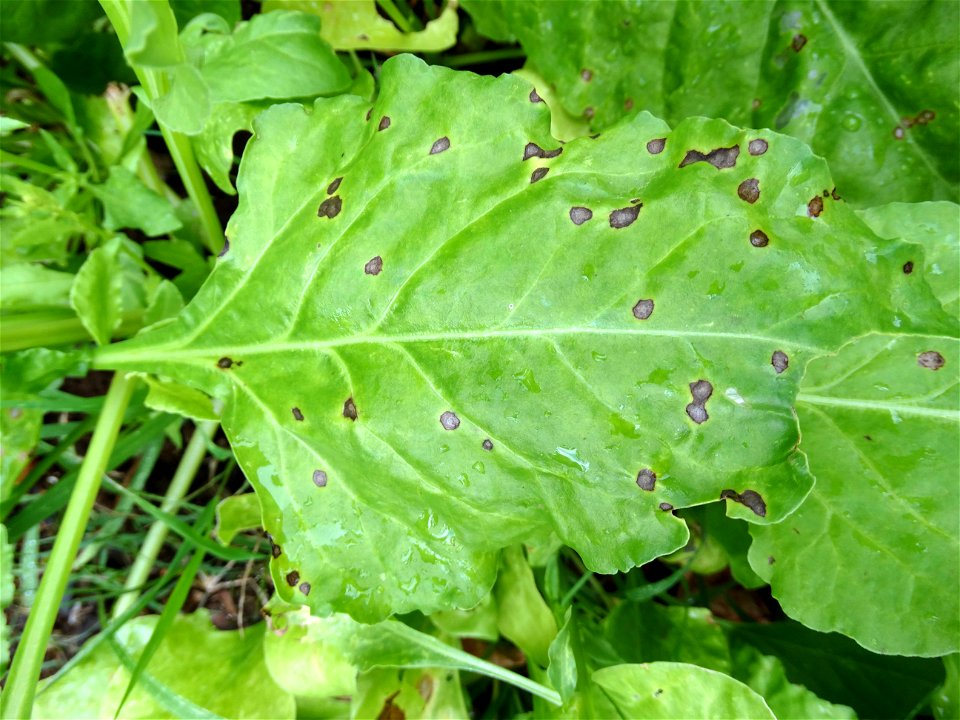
(190, 461)
(17, 699)
(50, 328)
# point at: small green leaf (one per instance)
(95, 294)
(28, 286)
(169, 396)
(186, 107)
(128, 203)
(522, 614)
(478, 622)
(672, 690)
(153, 35)
(186, 10)
(562, 669)
(236, 514)
(9, 125)
(165, 303)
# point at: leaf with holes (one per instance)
(879, 531)
(439, 332)
(872, 87)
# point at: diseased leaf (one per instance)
(430, 348)
(873, 87)
(672, 690)
(95, 294)
(879, 531)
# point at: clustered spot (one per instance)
(533, 150)
(646, 479)
(757, 147)
(293, 578)
(538, 174)
(297, 415)
(749, 498)
(373, 266)
(908, 267)
(586, 75)
(330, 207)
(384, 123)
(907, 122)
(440, 145)
(487, 445)
(700, 391)
(749, 190)
(643, 309)
(656, 146)
(349, 409)
(758, 238)
(580, 215)
(226, 247)
(305, 588)
(224, 363)
(623, 217)
(931, 359)
(666, 507)
(815, 207)
(720, 158)
(332, 187)
(798, 42)
(449, 420)
(780, 361)
(319, 478)
(534, 97)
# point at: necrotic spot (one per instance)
(720, 158)
(628, 104)
(275, 550)
(579, 215)
(305, 588)
(908, 267)
(798, 42)
(224, 363)
(625, 216)
(226, 247)
(666, 507)
(815, 207)
(931, 359)
(758, 238)
(749, 190)
(538, 174)
(319, 478)
(899, 133)
(373, 266)
(332, 187)
(656, 146)
(384, 123)
(330, 207)
(534, 97)
(487, 444)
(643, 309)
(586, 75)
(752, 500)
(701, 390)
(697, 413)
(533, 150)
(449, 421)
(293, 578)
(369, 113)
(780, 361)
(297, 415)
(349, 409)
(440, 145)
(646, 479)
(757, 147)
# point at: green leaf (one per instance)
(128, 203)
(169, 396)
(478, 622)
(28, 286)
(562, 669)
(946, 702)
(830, 73)
(6, 593)
(674, 690)
(214, 144)
(470, 364)
(153, 29)
(19, 434)
(236, 514)
(522, 614)
(935, 226)
(165, 302)
(34, 22)
(95, 294)
(879, 531)
(357, 25)
(186, 10)
(186, 107)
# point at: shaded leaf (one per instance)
(235, 514)
(426, 357)
(522, 614)
(946, 702)
(128, 203)
(186, 10)
(95, 294)
(33, 22)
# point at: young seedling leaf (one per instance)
(426, 357)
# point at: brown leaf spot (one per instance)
(628, 104)
(758, 238)
(369, 113)
(908, 267)
(224, 363)
(330, 207)
(770, 560)
(373, 266)
(349, 409)
(697, 413)
(275, 549)
(720, 158)
(305, 588)
(815, 207)
(656, 146)
(586, 75)
(297, 415)
(579, 215)
(226, 247)
(646, 479)
(538, 174)
(643, 309)
(757, 147)
(623, 217)
(780, 361)
(384, 123)
(293, 577)
(899, 133)
(534, 97)
(666, 507)
(931, 359)
(701, 390)
(487, 445)
(749, 190)
(319, 478)
(449, 421)
(798, 42)
(440, 145)
(589, 112)
(533, 150)
(833, 194)
(749, 498)
(332, 187)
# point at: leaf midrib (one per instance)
(880, 406)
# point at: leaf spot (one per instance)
(815, 207)
(319, 478)
(749, 190)
(720, 158)
(332, 187)
(656, 146)
(908, 267)
(297, 415)
(643, 309)
(798, 42)
(373, 266)
(440, 145)
(749, 498)
(700, 391)
(384, 123)
(538, 174)
(586, 75)
(770, 560)
(330, 207)
(589, 112)
(758, 238)
(931, 359)
(275, 549)
(305, 588)
(226, 247)
(623, 217)
(224, 363)
(534, 97)
(646, 479)
(449, 421)
(349, 409)
(757, 147)
(293, 578)
(666, 507)
(628, 104)
(369, 113)
(780, 361)
(580, 215)
(487, 445)
(534, 150)
(899, 133)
